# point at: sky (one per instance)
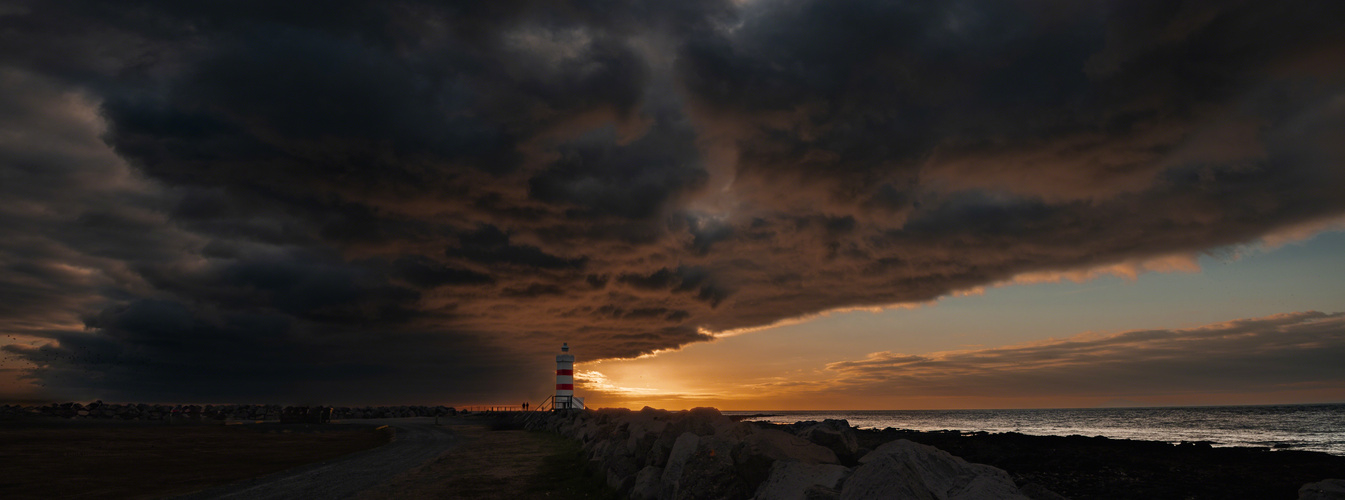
(750, 204)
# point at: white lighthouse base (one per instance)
(561, 403)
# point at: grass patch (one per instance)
(506, 464)
(151, 461)
(564, 474)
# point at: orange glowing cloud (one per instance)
(1244, 356)
(1268, 359)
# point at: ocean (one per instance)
(1318, 427)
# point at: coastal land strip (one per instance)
(463, 456)
(595, 455)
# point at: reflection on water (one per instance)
(1299, 427)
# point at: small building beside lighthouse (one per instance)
(565, 399)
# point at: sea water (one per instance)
(1300, 427)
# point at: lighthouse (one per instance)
(565, 399)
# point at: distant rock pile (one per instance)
(203, 413)
(342, 412)
(700, 453)
(1330, 489)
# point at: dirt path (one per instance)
(416, 442)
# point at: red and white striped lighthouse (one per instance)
(565, 379)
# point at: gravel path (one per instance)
(416, 442)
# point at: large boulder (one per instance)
(647, 483)
(643, 431)
(790, 480)
(612, 415)
(903, 469)
(736, 431)
(590, 430)
(1330, 489)
(622, 484)
(661, 449)
(836, 435)
(620, 465)
(779, 445)
(702, 421)
(682, 450)
(758, 451)
(709, 473)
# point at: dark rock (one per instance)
(642, 432)
(817, 492)
(646, 485)
(1038, 492)
(1329, 489)
(681, 451)
(660, 450)
(1195, 445)
(620, 465)
(622, 484)
(904, 469)
(702, 421)
(758, 452)
(836, 435)
(791, 480)
(709, 472)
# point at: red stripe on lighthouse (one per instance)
(564, 372)
(564, 387)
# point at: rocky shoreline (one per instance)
(700, 453)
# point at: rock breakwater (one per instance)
(702, 454)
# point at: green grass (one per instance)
(564, 473)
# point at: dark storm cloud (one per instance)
(599, 181)
(950, 144)
(426, 273)
(73, 214)
(155, 350)
(359, 174)
(682, 279)
(303, 285)
(1042, 99)
(489, 245)
(409, 191)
